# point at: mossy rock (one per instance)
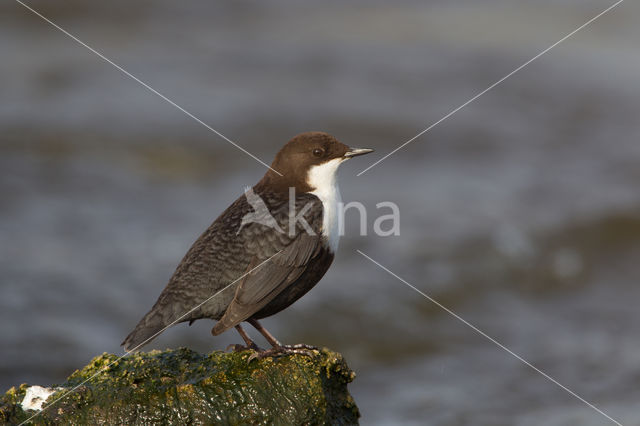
(184, 387)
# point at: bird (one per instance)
(264, 252)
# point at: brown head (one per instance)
(307, 161)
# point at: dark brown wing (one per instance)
(276, 264)
(218, 259)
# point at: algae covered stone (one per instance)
(184, 387)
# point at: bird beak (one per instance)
(354, 152)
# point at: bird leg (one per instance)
(272, 340)
(250, 343)
(278, 348)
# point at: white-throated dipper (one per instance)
(272, 259)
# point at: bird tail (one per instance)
(147, 329)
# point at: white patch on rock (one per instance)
(36, 396)
(323, 179)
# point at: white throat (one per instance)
(323, 179)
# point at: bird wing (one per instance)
(277, 262)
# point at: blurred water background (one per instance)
(521, 212)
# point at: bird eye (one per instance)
(318, 152)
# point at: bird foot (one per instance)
(282, 350)
(241, 348)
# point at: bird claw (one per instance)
(301, 346)
(241, 348)
(282, 350)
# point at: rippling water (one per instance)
(521, 213)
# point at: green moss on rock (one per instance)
(184, 387)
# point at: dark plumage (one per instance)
(269, 269)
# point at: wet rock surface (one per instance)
(184, 387)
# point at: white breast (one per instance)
(323, 179)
